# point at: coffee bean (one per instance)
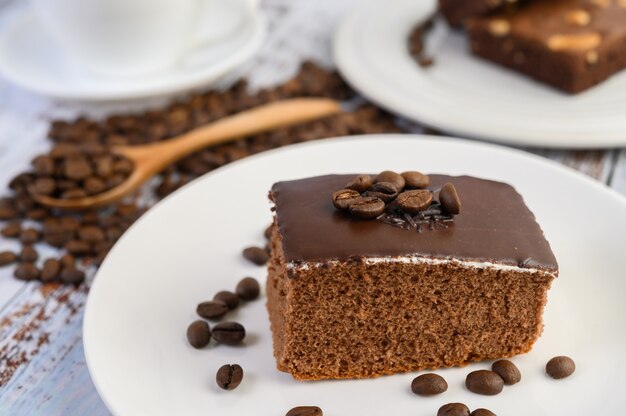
(429, 384)
(50, 271)
(560, 367)
(268, 231)
(482, 412)
(256, 255)
(453, 409)
(212, 309)
(7, 213)
(508, 371)
(7, 257)
(28, 254)
(72, 275)
(449, 199)
(44, 186)
(393, 177)
(305, 411)
(199, 334)
(44, 165)
(415, 180)
(229, 298)
(484, 382)
(29, 236)
(36, 214)
(27, 271)
(78, 247)
(367, 208)
(91, 234)
(385, 191)
(414, 201)
(360, 184)
(248, 289)
(77, 168)
(95, 185)
(67, 260)
(344, 198)
(229, 376)
(74, 193)
(13, 230)
(229, 333)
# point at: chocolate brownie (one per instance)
(457, 11)
(569, 44)
(354, 298)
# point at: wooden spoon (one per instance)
(150, 159)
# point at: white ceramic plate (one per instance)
(463, 94)
(31, 59)
(188, 247)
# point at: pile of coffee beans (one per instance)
(399, 199)
(81, 162)
(199, 333)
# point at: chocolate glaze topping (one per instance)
(494, 226)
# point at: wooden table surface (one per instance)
(42, 366)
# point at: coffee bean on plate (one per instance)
(229, 298)
(453, 409)
(50, 270)
(482, 412)
(212, 309)
(248, 288)
(560, 367)
(415, 180)
(305, 411)
(366, 208)
(508, 371)
(414, 201)
(7, 257)
(385, 191)
(199, 334)
(344, 197)
(390, 176)
(361, 183)
(71, 275)
(229, 333)
(28, 254)
(27, 271)
(256, 255)
(484, 382)
(449, 199)
(429, 384)
(229, 376)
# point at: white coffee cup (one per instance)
(134, 37)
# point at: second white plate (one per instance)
(189, 247)
(465, 95)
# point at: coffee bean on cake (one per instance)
(256, 255)
(449, 199)
(484, 382)
(415, 180)
(453, 409)
(343, 198)
(367, 208)
(482, 412)
(508, 371)
(305, 411)
(414, 201)
(229, 376)
(248, 289)
(199, 334)
(229, 298)
(385, 191)
(229, 333)
(7, 257)
(212, 309)
(560, 367)
(429, 384)
(390, 176)
(360, 184)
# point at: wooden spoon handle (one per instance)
(257, 120)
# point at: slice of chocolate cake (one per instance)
(414, 286)
(569, 44)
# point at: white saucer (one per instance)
(188, 247)
(31, 59)
(465, 95)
